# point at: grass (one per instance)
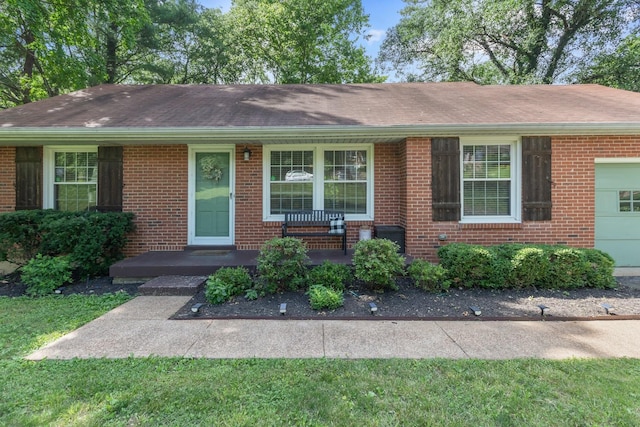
(319, 392)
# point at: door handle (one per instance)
(231, 196)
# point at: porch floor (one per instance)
(201, 262)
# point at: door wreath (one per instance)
(210, 168)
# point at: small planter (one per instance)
(365, 232)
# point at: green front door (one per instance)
(212, 198)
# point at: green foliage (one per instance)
(334, 276)
(325, 297)
(503, 42)
(377, 263)
(44, 274)
(427, 276)
(468, 265)
(516, 265)
(617, 69)
(282, 263)
(530, 266)
(92, 240)
(227, 282)
(600, 271)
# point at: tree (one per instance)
(301, 41)
(503, 42)
(620, 69)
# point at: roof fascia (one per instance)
(172, 135)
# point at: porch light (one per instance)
(283, 308)
(246, 153)
(196, 307)
(542, 308)
(475, 310)
(373, 307)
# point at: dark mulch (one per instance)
(10, 286)
(407, 303)
(411, 303)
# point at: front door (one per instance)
(211, 196)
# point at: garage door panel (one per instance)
(616, 232)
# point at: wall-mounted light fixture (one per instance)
(246, 153)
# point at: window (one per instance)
(629, 201)
(489, 180)
(71, 178)
(321, 177)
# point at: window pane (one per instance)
(75, 177)
(345, 176)
(486, 180)
(351, 198)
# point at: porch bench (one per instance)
(334, 221)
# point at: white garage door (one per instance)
(617, 228)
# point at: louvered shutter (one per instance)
(445, 182)
(109, 179)
(536, 178)
(28, 178)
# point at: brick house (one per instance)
(447, 162)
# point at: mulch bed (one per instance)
(408, 303)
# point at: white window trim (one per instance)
(318, 184)
(48, 169)
(516, 180)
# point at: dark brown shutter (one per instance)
(28, 178)
(536, 178)
(445, 182)
(109, 179)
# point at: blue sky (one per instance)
(382, 15)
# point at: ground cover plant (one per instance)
(322, 392)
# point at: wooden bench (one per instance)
(334, 221)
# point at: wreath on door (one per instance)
(210, 168)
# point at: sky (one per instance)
(383, 14)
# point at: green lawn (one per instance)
(186, 392)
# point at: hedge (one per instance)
(519, 265)
(92, 240)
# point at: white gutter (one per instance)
(172, 135)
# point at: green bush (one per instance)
(377, 263)
(44, 274)
(530, 266)
(227, 282)
(92, 240)
(600, 271)
(335, 276)
(325, 297)
(568, 269)
(468, 265)
(282, 264)
(427, 276)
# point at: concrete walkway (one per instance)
(140, 328)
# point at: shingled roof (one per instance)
(407, 107)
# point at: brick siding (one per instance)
(7, 179)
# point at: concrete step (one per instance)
(173, 286)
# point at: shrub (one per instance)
(427, 276)
(568, 268)
(325, 297)
(282, 263)
(93, 240)
(335, 276)
(44, 274)
(600, 270)
(227, 282)
(530, 266)
(377, 263)
(216, 291)
(468, 265)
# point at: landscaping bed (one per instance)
(411, 303)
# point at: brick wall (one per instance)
(155, 189)
(573, 197)
(7, 179)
